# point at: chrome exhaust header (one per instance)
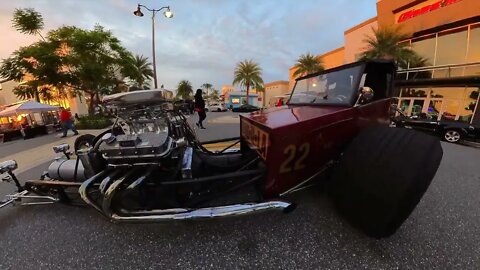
(85, 187)
(202, 213)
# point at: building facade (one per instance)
(444, 32)
(235, 99)
(274, 91)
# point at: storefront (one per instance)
(235, 99)
(446, 33)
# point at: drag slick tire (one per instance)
(83, 141)
(382, 176)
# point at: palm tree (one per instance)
(214, 95)
(28, 21)
(207, 86)
(308, 64)
(417, 61)
(386, 43)
(142, 71)
(184, 89)
(260, 88)
(247, 73)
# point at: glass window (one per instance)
(450, 110)
(474, 44)
(414, 92)
(466, 111)
(336, 87)
(448, 92)
(471, 93)
(474, 50)
(434, 108)
(451, 49)
(404, 106)
(425, 47)
(417, 106)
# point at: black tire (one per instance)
(219, 110)
(453, 135)
(85, 140)
(382, 176)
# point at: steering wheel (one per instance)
(341, 97)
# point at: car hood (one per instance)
(288, 115)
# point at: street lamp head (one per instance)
(138, 12)
(168, 13)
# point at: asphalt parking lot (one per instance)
(442, 233)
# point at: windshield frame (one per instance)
(353, 97)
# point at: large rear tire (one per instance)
(382, 176)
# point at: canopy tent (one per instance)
(27, 107)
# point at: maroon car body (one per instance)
(297, 140)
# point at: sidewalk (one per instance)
(33, 157)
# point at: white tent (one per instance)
(27, 107)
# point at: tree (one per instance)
(308, 64)
(247, 73)
(386, 43)
(207, 86)
(261, 89)
(214, 95)
(142, 71)
(417, 61)
(93, 60)
(85, 61)
(28, 21)
(184, 89)
(40, 64)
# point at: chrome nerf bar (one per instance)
(203, 213)
(23, 195)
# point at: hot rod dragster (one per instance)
(151, 167)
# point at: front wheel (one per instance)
(84, 141)
(382, 176)
(452, 136)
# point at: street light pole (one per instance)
(153, 52)
(167, 14)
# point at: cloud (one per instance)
(206, 38)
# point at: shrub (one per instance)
(93, 122)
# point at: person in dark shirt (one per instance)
(200, 108)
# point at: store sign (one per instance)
(425, 9)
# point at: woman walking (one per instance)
(200, 108)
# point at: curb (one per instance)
(469, 143)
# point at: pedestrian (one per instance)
(279, 102)
(67, 123)
(200, 108)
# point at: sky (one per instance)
(205, 39)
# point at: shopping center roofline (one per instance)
(360, 25)
(445, 82)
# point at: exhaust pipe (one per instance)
(85, 187)
(112, 190)
(204, 213)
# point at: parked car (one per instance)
(449, 130)
(217, 107)
(246, 108)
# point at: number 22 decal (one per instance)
(295, 158)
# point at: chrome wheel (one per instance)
(452, 136)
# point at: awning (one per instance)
(27, 107)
